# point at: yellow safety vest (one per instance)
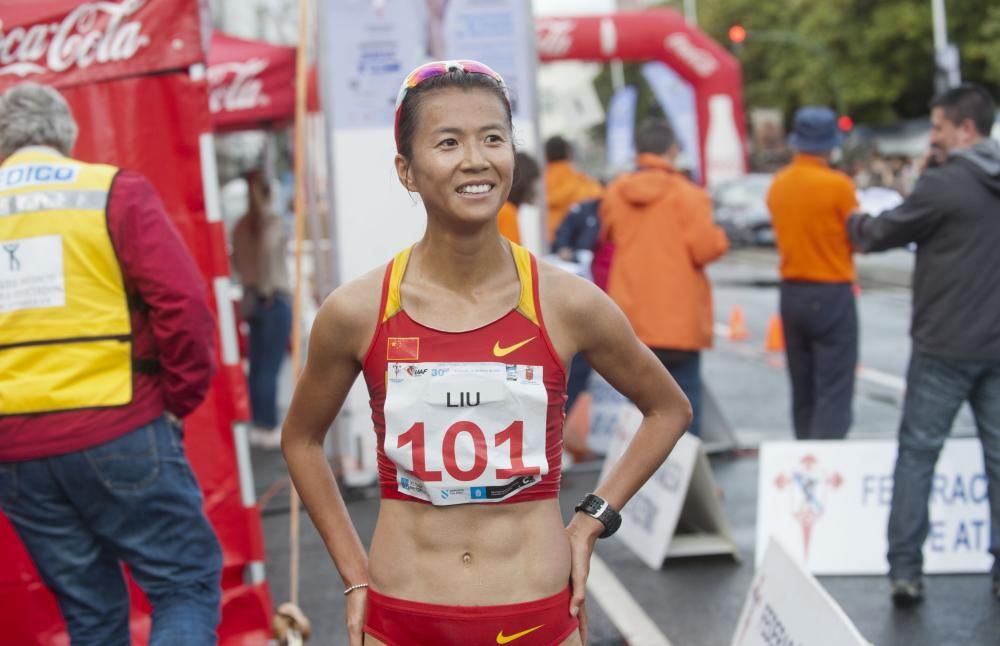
(65, 331)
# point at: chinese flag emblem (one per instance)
(405, 348)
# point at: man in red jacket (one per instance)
(106, 341)
(661, 226)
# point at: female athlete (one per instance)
(463, 340)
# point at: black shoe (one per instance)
(908, 592)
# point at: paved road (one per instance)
(696, 601)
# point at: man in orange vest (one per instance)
(107, 342)
(661, 226)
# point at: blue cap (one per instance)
(815, 130)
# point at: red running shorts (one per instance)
(544, 622)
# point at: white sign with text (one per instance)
(829, 503)
(677, 512)
(787, 605)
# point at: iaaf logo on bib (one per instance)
(236, 86)
(807, 489)
(74, 41)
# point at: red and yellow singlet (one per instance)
(466, 417)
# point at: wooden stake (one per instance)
(300, 202)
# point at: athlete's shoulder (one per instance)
(348, 316)
(566, 291)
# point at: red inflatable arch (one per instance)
(663, 35)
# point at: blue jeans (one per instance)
(685, 368)
(270, 327)
(935, 389)
(132, 500)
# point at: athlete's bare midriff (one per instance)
(474, 554)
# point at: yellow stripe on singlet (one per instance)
(393, 300)
(526, 306)
(522, 260)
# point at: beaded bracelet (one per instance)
(356, 586)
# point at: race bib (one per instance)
(465, 432)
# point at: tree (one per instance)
(877, 55)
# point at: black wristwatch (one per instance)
(598, 508)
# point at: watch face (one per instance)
(591, 505)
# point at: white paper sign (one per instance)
(786, 605)
(828, 502)
(681, 487)
(31, 273)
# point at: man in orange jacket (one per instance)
(564, 184)
(661, 226)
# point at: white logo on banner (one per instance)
(829, 503)
(74, 41)
(31, 273)
(695, 57)
(243, 91)
(555, 37)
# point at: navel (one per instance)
(467, 559)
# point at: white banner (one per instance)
(786, 605)
(828, 502)
(681, 492)
(677, 99)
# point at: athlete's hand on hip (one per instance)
(583, 531)
(357, 601)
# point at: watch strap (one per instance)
(599, 508)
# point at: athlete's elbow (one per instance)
(681, 414)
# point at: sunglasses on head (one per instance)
(440, 68)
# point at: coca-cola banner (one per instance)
(249, 82)
(66, 42)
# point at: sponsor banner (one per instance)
(828, 503)
(621, 127)
(249, 82)
(676, 97)
(68, 42)
(787, 606)
(660, 519)
(375, 43)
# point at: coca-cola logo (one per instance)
(77, 41)
(701, 61)
(237, 86)
(555, 37)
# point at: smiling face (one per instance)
(462, 156)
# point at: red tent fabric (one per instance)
(123, 66)
(252, 83)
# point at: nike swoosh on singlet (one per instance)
(503, 352)
(502, 639)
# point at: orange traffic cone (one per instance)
(775, 341)
(738, 325)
